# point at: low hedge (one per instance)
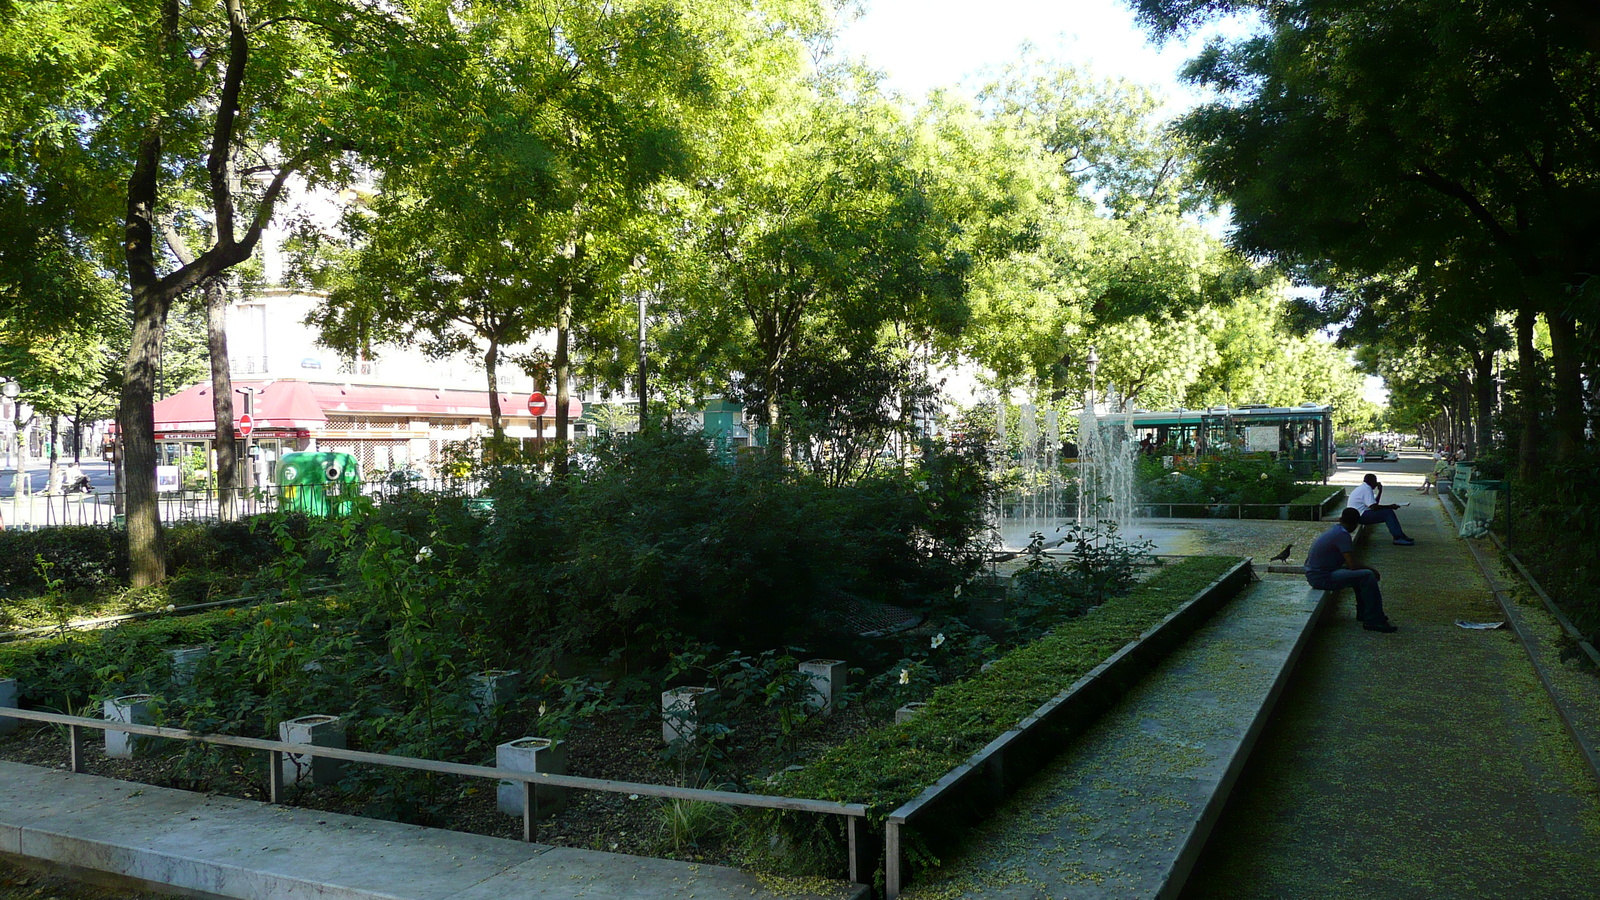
(888, 766)
(1308, 505)
(66, 672)
(1320, 496)
(95, 558)
(82, 557)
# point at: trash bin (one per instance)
(317, 484)
(1481, 495)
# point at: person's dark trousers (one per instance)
(1373, 516)
(1364, 582)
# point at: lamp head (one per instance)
(10, 389)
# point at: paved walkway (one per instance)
(1125, 808)
(1428, 763)
(240, 848)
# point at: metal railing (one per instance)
(36, 511)
(855, 814)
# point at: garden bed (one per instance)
(622, 742)
(892, 765)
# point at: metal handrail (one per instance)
(855, 813)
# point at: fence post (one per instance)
(530, 812)
(275, 776)
(892, 875)
(860, 849)
(75, 738)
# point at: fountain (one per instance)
(1106, 490)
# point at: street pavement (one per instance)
(37, 475)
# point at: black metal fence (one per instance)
(106, 509)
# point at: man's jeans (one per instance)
(1374, 515)
(1369, 600)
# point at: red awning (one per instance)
(386, 400)
(293, 404)
(279, 405)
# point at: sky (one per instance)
(923, 44)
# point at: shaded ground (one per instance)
(1428, 763)
(19, 882)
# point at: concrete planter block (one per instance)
(183, 662)
(532, 754)
(492, 688)
(908, 712)
(134, 709)
(8, 699)
(318, 731)
(681, 711)
(828, 678)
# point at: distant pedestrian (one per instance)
(1364, 499)
(1331, 565)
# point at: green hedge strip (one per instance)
(889, 766)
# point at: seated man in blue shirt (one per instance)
(1365, 500)
(1331, 564)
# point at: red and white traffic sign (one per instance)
(246, 425)
(540, 405)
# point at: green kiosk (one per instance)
(318, 484)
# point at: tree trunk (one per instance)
(19, 447)
(222, 401)
(1483, 391)
(1529, 463)
(1566, 357)
(51, 485)
(491, 365)
(777, 445)
(563, 367)
(147, 552)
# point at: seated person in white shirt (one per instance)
(1365, 500)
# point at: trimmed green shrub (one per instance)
(82, 556)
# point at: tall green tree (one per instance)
(1379, 137)
(155, 103)
(529, 220)
(1119, 247)
(821, 223)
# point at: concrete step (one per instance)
(221, 846)
(1125, 810)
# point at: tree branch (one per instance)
(222, 131)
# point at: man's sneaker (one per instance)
(1404, 542)
(1381, 627)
